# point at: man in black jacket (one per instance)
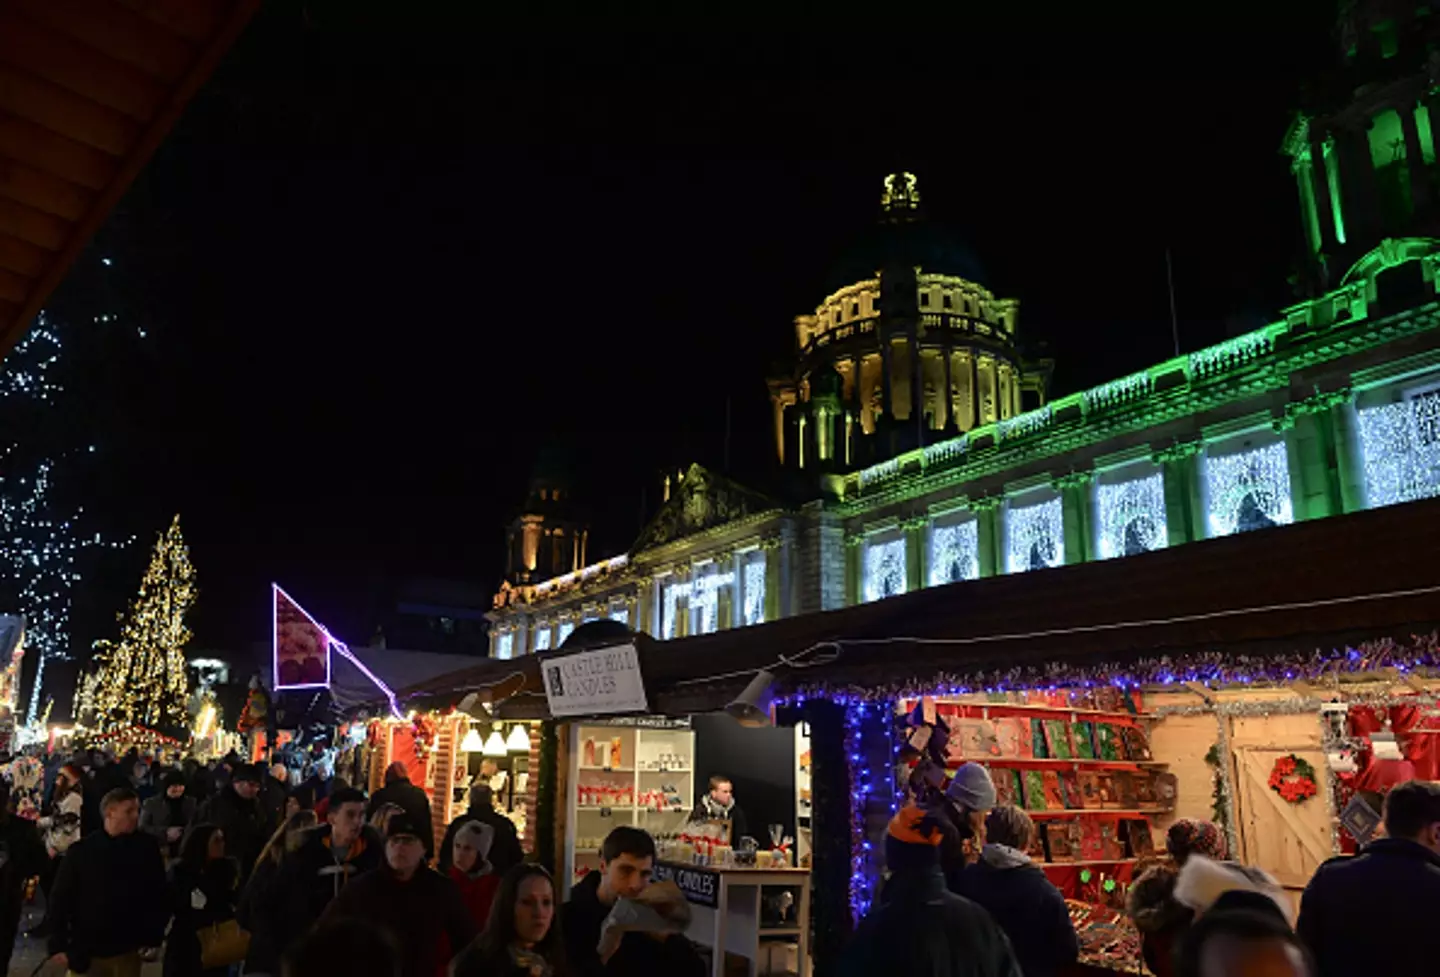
(627, 860)
(411, 799)
(1369, 913)
(239, 813)
(505, 850)
(110, 903)
(22, 856)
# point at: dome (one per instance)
(902, 236)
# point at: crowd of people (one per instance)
(963, 899)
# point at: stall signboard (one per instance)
(700, 885)
(594, 682)
(302, 646)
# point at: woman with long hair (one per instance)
(59, 829)
(257, 901)
(202, 894)
(381, 818)
(522, 937)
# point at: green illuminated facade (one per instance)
(938, 456)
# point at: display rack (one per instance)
(802, 794)
(608, 787)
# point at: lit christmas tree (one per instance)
(141, 678)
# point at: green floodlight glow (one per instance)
(1332, 180)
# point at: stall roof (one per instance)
(1315, 584)
(88, 90)
(397, 669)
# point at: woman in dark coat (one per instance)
(522, 937)
(266, 944)
(1022, 900)
(202, 893)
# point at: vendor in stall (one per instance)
(718, 804)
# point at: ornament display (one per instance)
(1293, 778)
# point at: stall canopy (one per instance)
(1313, 585)
(88, 90)
(388, 668)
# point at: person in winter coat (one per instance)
(1016, 892)
(627, 862)
(505, 850)
(1151, 901)
(166, 814)
(523, 938)
(1243, 933)
(60, 829)
(417, 904)
(326, 860)
(399, 790)
(274, 788)
(21, 857)
(472, 873)
(102, 924)
(1363, 914)
(237, 810)
(263, 957)
(918, 927)
(202, 893)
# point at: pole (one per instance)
(1170, 287)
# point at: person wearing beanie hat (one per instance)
(968, 798)
(471, 870)
(237, 810)
(917, 927)
(1244, 931)
(167, 813)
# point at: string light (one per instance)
(1248, 490)
(884, 568)
(142, 679)
(41, 540)
(1400, 443)
(954, 552)
(1035, 536)
(1132, 516)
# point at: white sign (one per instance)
(598, 682)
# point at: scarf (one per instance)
(530, 962)
(720, 812)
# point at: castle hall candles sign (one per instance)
(598, 682)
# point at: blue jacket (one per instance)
(1369, 913)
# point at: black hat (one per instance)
(174, 778)
(246, 771)
(403, 824)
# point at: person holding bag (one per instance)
(205, 939)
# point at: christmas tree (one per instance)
(141, 678)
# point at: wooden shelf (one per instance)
(668, 771)
(1052, 710)
(597, 808)
(1085, 864)
(608, 769)
(779, 931)
(1071, 812)
(1051, 763)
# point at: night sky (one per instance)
(382, 262)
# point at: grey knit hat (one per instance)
(972, 788)
(478, 835)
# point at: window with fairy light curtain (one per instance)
(954, 550)
(752, 587)
(709, 592)
(1034, 535)
(669, 608)
(505, 645)
(883, 567)
(1130, 512)
(542, 638)
(564, 632)
(1247, 488)
(1400, 447)
(621, 615)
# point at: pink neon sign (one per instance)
(301, 646)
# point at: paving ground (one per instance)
(29, 953)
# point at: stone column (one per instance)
(1074, 489)
(1184, 520)
(1361, 205)
(1349, 465)
(1414, 159)
(990, 534)
(975, 419)
(914, 529)
(774, 550)
(1320, 185)
(644, 604)
(854, 568)
(1315, 483)
(949, 419)
(887, 406)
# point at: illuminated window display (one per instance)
(1249, 489)
(1035, 536)
(1130, 516)
(954, 552)
(884, 568)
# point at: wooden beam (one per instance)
(194, 20)
(49, 152)
(120, 33)
(13, 288)
(1200, 690)
(65, 62)
(73, 116)
(29, 224)
(22, 257)
(43, 191)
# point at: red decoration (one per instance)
(1293, 779)
(427, 733)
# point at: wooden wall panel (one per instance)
(13, 288)
(29, 224)
(42, 191)
(116, 31)
(48, 152)
(195, 20)
(74, 116)
(66, 63)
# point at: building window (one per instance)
(1130, 515)
(1400, 445)
(542, 638)
(884, 568)
(752, 588)
(954, 551)
(837, 317)
(948, 302)
(924, 300)
(565, 628)
(706, 583)
(1034, 536)
(854, 309)
(505, 645)
(1248, 489)
(621, 614)
(669, 609)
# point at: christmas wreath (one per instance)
(427, 732)
(1293, 779)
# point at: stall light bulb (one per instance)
(472, 742)
(495, 744)
(519, 740)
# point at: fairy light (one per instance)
(141, 679)
(42, 542)
(1400, 444)
(1248, 490)
(1131, 516)
(1035, 536)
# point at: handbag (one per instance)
(222, 944)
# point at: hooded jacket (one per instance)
(920, 928)
(1369, 913)
(424, 914)
(309, 879)
(1025, 904)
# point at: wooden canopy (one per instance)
(88, 89)
(1291, 589)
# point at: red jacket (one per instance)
(477, 892)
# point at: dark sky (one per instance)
(387, 259)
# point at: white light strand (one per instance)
(1248, 490)
(884, 568)
(1035, 536)
(1131, 516)
(753, 582)
(954, 552)
(1400, 444)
